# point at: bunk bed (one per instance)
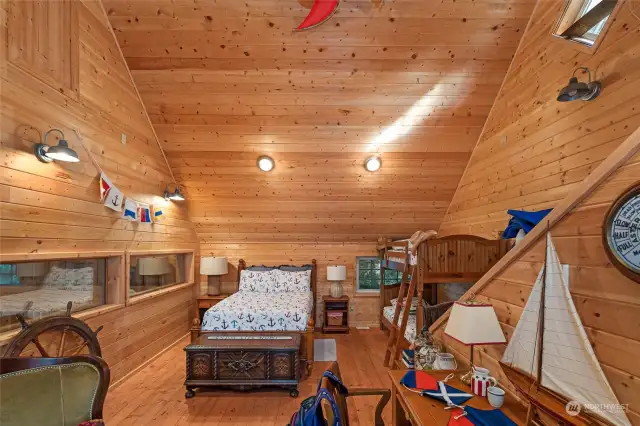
(460, 259)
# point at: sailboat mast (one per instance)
(542, 309)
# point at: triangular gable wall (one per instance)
(607, 301)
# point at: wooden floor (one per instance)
(155, 395)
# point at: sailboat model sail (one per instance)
(569, 369)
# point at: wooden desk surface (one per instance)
(427, 411)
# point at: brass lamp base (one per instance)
(213, 285)
(466, 377)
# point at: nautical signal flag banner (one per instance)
(474, 417)
(158, 214)
(130, 210)
(114, 199)
(144, 213)
(426, 385)
(105, 186)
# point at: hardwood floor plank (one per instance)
(155, 395)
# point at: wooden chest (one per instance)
(243, 361)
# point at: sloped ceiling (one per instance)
(225, 81)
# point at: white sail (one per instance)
(522, 351)
(569, 365)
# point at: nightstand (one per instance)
(336, 314)
(205, 301)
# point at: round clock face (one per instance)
(623, 232)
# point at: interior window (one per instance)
(43, 289)
(582, 21)
(152, 273)
(368, 274)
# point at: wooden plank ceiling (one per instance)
(226, 80)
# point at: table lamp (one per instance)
(472, 323)
(213, 267)
(336, 274)
(153, 266)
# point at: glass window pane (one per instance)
(48, 286)
(152, 273)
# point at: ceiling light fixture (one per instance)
(373, 163)
(60, 152)
(175, 195)
(577, 90)
(266, 163)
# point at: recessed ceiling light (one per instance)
(266, 163)
(373, 164)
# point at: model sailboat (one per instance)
(549, 358)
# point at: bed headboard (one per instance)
(313, 267)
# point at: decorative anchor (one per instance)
(115, 201)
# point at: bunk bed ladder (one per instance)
(396, 333)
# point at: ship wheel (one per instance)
(59, 336)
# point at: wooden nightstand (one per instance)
(205, 302)
(336, 305)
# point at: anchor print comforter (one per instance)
(252, 311)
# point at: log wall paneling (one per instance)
(533, 149)
(226, 81)
(55, 208)
(607, 301)
(365, 309)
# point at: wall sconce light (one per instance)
(265, 163)
(175, 195)
(577, 90)
(60, 152)
(373, 163)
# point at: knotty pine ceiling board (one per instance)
(225, 81)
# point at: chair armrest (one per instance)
(384, 400)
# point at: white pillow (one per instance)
(257, 281)
(69, 279)
(293, 281)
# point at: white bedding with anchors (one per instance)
(46, 302)
(253, 311)
(410, 332)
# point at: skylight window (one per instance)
(584, 21)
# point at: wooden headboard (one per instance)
(459, 258)
(242, 265)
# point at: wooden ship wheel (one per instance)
(53, 337)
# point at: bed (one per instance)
(276, 299)
(455, 259)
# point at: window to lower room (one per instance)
(149, 273)
(41, 289)
(368, 274)
(584, 21)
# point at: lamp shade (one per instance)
(213, 265)
(153, 266)
(474, 324)
(32, 269)
(336, 273)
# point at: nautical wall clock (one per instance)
(622, 233)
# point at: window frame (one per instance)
(115, 266)
(189, 274)
(367, 291)
(581, 43)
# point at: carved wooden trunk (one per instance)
(243, 361)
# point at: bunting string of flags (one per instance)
(131, 209)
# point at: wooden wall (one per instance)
(52, 208)
(226, 81)
(533, 149)
(607, 301)
(364, 308)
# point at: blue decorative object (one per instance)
(524, 220)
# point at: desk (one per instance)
(412, 409)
